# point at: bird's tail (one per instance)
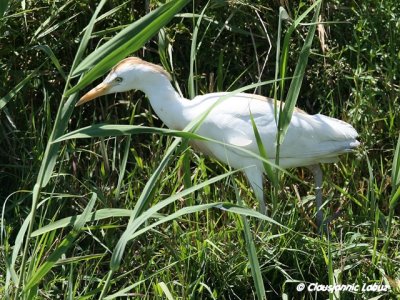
(338, 131)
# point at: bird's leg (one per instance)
(317, 173)
(255, 178)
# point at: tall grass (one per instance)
(103, 202)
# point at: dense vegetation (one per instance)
(206, 252)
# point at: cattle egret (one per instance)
(310, 139)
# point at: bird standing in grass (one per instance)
(309, 141)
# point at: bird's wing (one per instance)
(230, 120)
(309, 139)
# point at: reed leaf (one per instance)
(100, 214)
(263, 153)
(124, 43)
(67, 242)
(193, 53)
(46, 49)
(251, 252)
(295, 84)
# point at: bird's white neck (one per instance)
(167, 103)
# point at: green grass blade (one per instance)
(282, 16)
(244, 211)
(395, 198)
(104, 130)
(140, 205)
(286, 43)
(396, 166)
(159, 17)
(295, 84)
(56, 26)
(81, 220)
(86, 36)
(51, 153)
(154, 209)
(251, 252)
(267, 167)
(124, 43)
(193, 54)
(38, 275)
(179, 213)
(122, 167)
(165, 290)
(100, 214)
(11, 273)
(395, 194)
(225, 206)
(62, 248)
(164, 47)
(49, 21)
(124, 293)
(46, 49)
(253, 260)
(138, 219)
(331, 277)
(11, 94)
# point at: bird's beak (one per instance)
(101, 89)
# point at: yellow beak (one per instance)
(98, 91)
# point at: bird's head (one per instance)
(131, 73)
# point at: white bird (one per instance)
(310, 139)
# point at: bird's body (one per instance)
(310, 139)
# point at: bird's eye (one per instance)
(118, 79)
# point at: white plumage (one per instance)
(310, 139)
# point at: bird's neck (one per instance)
(167, 103)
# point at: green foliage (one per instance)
(151, 233)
